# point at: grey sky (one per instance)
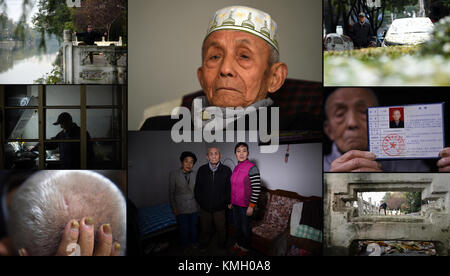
(14, 10)
(375, 196)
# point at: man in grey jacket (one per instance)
(182, 200)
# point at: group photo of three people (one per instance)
(200, 199)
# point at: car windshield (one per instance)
(411, 25)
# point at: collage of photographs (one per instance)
(224, 129)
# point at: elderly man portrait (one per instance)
(240, 60)
(213, 194)
(240, 67)
(346, 127)
(396, 121)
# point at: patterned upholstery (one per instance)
(279, 210)
(268, 231)
(275, 222)
(293, 97)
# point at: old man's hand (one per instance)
(356, 161)
(78, 240)
(444, 163)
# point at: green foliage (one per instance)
(369, 54)
(52, 17)
(440, 43)
(54, 77)
(70, 26)
(425, 64)
(413, 201)
(398, 5)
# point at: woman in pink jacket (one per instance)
(245, 190)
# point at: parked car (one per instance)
(409, 31)
(336, 42)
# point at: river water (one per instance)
(25, 65)
(27, 71)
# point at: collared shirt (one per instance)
(386, 165)
(212, 168)
(187, 176)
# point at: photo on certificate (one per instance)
(386, 129)
(413, 131)
(396, 116)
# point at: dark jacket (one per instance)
(361, 35)
(213, 189)
(90, 37)
(69, 153)
(392, 124)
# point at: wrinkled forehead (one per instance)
(213, 150)
(224, 38)
(350, 97)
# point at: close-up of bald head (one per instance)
(45, 203)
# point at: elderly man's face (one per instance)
(235, 69)
(396, 115)
(213, 155)
(346, 124)
(362, 19)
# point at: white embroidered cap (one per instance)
(245, 19)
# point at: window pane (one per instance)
(103, 94)
(22, 124)
(52, 117)
(21, 95)
(103, 123)
(62, 95)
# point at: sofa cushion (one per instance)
(279, 211)
(268, 231)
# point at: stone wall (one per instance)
(343, 224)
(92, 64)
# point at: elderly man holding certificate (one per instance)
(363, 140)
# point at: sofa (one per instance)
(270, 231)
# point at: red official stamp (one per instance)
(393, 145)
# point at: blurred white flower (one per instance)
(446, 47)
